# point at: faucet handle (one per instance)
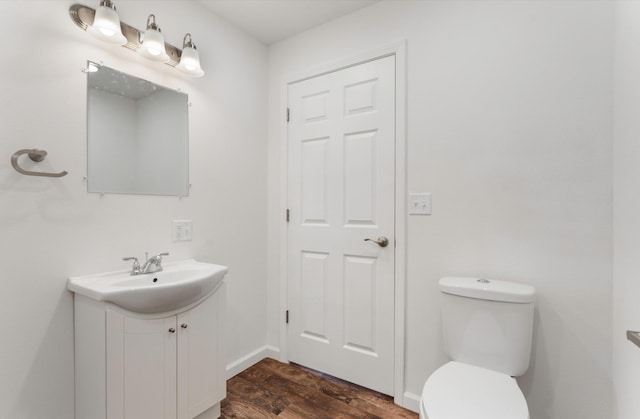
(159, 255)
(135, 269)
(154, 264)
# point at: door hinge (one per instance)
(288, 115)
(286, 317)
(287, 214)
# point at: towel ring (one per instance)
(35, 155)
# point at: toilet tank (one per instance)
(488, 323)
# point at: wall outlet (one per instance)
(182, 230)
(420, 203)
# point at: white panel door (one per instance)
(341, 166)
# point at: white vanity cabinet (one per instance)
(149, 367)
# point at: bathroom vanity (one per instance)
(164, 364)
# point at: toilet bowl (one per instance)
(462, 391)
(487, 327)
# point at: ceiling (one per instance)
(270, 21)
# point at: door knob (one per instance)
(172, 330)
(381, 241)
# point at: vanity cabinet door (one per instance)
(167, 368)
(141, 367)
(201, 383)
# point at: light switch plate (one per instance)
(182, 230)
(420, 203)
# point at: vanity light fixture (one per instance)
(152, 42)
(149, 43)
(190, 59)
(106, 24)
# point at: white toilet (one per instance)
(488, 326)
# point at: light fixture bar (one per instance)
(83, 17)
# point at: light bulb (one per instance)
(107, 32)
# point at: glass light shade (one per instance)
(152, 46)
(106, 26)
(190, 62)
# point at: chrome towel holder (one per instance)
(35, 155)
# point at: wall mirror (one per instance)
(137, 135)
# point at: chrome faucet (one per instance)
(152, 264)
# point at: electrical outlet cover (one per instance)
(182, 230)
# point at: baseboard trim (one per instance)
(411, 401)
(267, 351)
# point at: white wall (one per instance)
(626, 285)
(509, 126)
(52, 228)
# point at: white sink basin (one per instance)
(178, 285)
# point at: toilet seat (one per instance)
(462, 391)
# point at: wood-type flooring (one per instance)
(272, 389)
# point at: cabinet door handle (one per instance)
(184, 325)
(172, 330)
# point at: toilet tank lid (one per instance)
(488, 289)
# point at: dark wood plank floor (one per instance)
(272, 389)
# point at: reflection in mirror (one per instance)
(137, 135)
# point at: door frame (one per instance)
(399, 50)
